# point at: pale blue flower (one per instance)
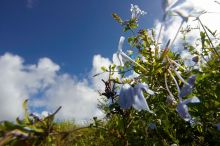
(218, 126)
(187, 88)
(119, 52)
(126, 96)
(122, 57)
(183, 110)
(136, 12)
(139, 99)
(166, 6)
(152, 126)
(133, 96)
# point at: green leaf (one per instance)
(117, 18)
(26, 113)
(104, 69)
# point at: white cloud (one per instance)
(47, 88)
(19, 81)
(99, 61)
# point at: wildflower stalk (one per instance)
(128, 58)
(179, 76)
(177, 64)
(177, 33)
(166, 85)
(161, 27)
(208, 36)
(175, 81)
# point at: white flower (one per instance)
(136, 12)
(183, 110)
(143, 59)
(133, 96)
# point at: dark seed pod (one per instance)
(195, 59)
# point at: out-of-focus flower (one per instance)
(183, 110)
(117, 58)
(139, 99)
(133, 96)
(183, 15)
(136, 12)
(126, 96)
(122, 57)
(143, 59)
(152, 126)
(166, 5)
(218, 126)
(187, 88)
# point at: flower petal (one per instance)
(191, 100)
(186, 90)
(126, 96)
(120, 44)
(183, 111)
(145, 87)
(192, 80)
(150, 92)
(136, 12)
(140, 102)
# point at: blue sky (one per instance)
(69, 32)
(54, 47)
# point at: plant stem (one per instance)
(176, 34)
(208, 37)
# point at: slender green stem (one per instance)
(208, 37)
(175, 81)
(177, 33)
(166, 85)
(179, 76)
(161, 27)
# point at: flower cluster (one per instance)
(136, 12)
(133, 96)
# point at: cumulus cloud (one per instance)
(19, 81)
(99, 61)
(47, 89)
